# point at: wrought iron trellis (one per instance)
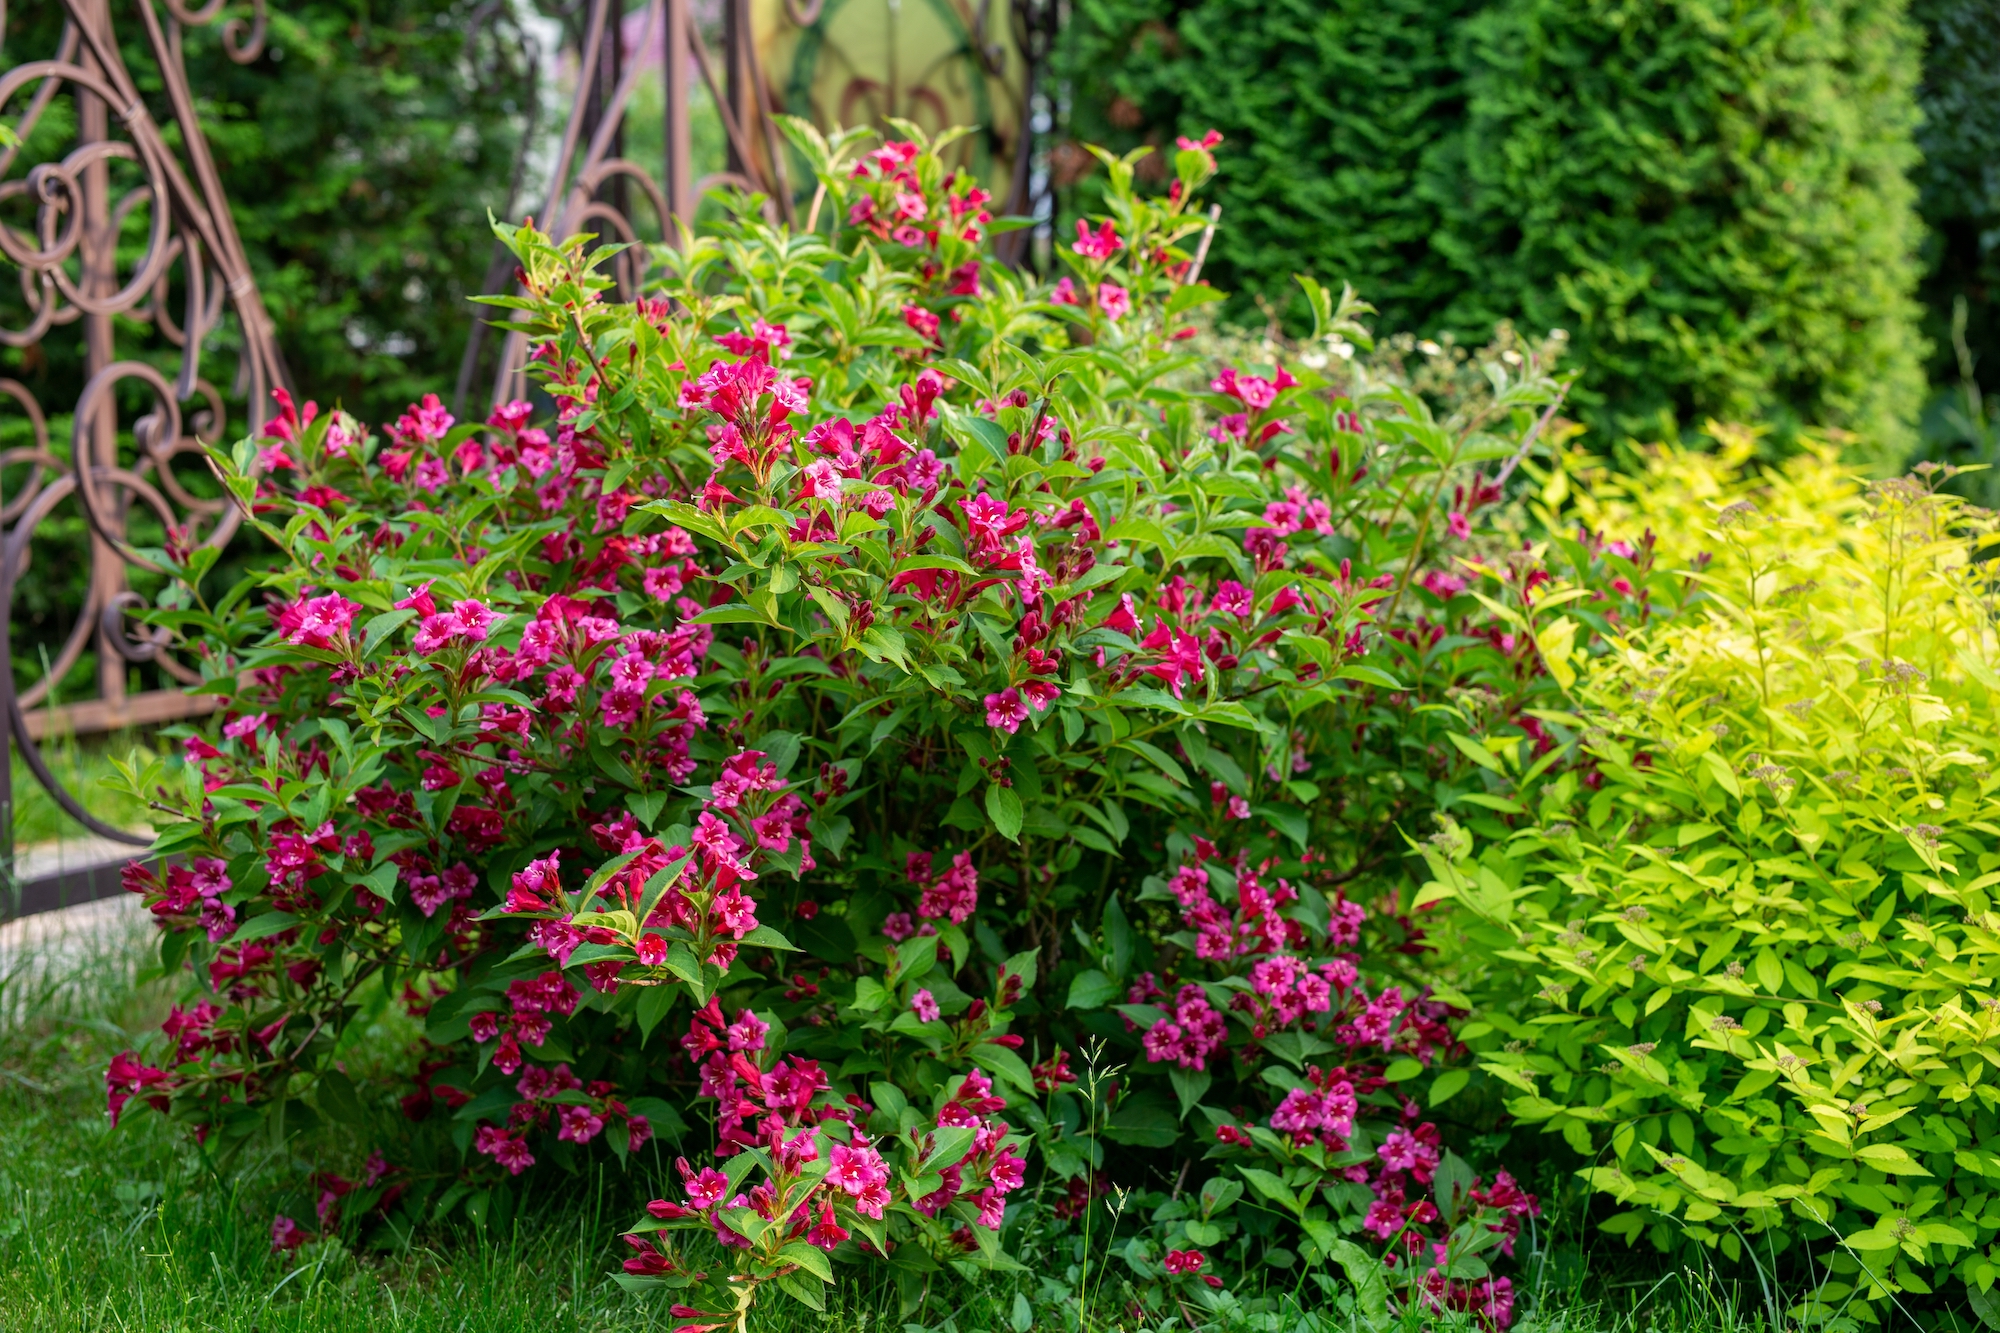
(70, 273)
(592, 183)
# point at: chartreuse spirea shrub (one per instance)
(918, 746)
(1757, 914)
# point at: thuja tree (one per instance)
(886, 700)
(1713, 200)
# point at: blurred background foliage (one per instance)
(361, 152)
(1718, 202)
(1746, 212)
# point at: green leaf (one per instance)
(1270, 1187)
(1288, 821)
(1004, 1064)
(733, 613)
(1189, 295)
(1161, 760)
(1476, 752)
(1090, 989)
(1369, 675)
(948, 562)
(799, 1289)
(338, 1099)
(1143, 1121)
(884, 643)
(1117, 938)
(262, 926)
(987, 434)
(379, 628)
(1003, 807)
(769, 938)
(1448, 1084)
(1888, 1157)
(1190, 1085)
(1219, 1194)
(1365, 1271)
(809, 1257)
(683, 964)
(1985, 1304)
(654, 1003)
(949, 1145)
(1872, 1240)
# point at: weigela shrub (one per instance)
(1758, 922)
(732, 759)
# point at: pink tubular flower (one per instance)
(536, 885)
(736, 913)
(316, 622)
(705, 1188)
(1460, 526)
(953, 895)
(747, 1032)
(580, 1124)
(829, 1232)
(1184, 1261)
(819, 481)
(1404, 1151)
(853, 1170)
(509, 1150)
(1441, 584)
(467, 622)
(1124, 617)
(1191, 1033)
(1231, 599)
(286, 1235)
(1005, 711)
(991, 522)
(923, 322)
(924, 1006)
(1180, 656)
(423, 423)
(1098, 245)
(1328, 1113)
(1114, 301)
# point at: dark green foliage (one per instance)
(1712, 198)
(1959, 197)
(1330, 111)
(360, 153)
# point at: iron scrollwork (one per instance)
(70, 273)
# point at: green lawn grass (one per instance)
(82, 765)
(132, 1229)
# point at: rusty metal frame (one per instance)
(70, 273)
(592, 182)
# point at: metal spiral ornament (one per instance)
(592, 184)
(595, 188)
(71, 273)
